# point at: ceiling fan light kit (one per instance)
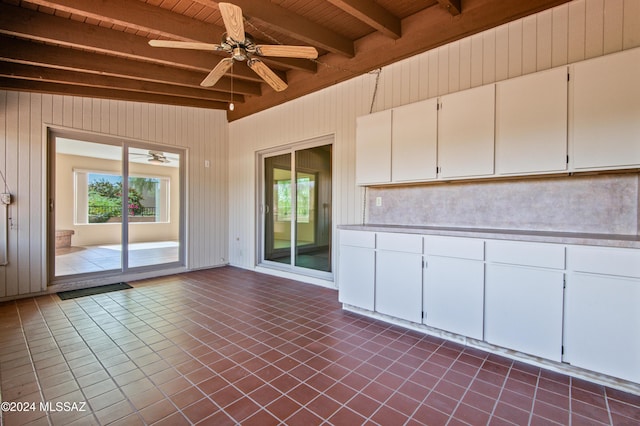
(157, 157)
(241, 47)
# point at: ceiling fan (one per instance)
(242, 47)
(154, 157)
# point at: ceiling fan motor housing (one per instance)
(239, 50)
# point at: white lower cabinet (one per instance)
(510, 294)
(524, 300)
(523, 310)
(602, 324)
(454, 295)
(356, 269)
(602, 314)
(399, 276)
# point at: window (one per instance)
(304, 192)
(98, 198)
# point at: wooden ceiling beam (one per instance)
(141, 16)
(26, 52)
(155, 20)
(34, 25)
(292, 25)
(432, 27)
(76, 78)
(372, 14)
(453, 6)
(101, 93)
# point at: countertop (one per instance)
(605, 240)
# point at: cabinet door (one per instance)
(466, 123)
(606, 111)
(399, 285)
(414, 141)
(523, 309)
(531, 123)
(356, 269)
(601, 324)
(373, 148)
(454, 295)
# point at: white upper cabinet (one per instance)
(373, 148)
(605, 123)
(414, 141)
(535, 124)
(531, 123)
(466, 133)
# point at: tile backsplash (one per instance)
(601, 204)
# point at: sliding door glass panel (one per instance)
(313, 208)
(153, 207)
(88, 207)
(278, 208)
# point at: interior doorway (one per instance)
(114, 206)
(296, 209)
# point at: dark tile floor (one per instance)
(228, 346)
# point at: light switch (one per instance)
(207, 163)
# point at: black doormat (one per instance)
(73, 294)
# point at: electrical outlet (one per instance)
(378, 201)
(5, 198)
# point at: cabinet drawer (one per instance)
(462, 248)
(407, 243)
(358, 239)
(604, 260)
(541, 255)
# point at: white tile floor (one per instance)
(80, 260)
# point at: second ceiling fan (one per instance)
(241, 47)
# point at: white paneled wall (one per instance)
(24, 118)
(569, 33)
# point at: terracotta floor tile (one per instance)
(214, 384)
(186, 349)
(283, 407)
(106, 399)
(363, 405)
(174, 386)
(226, 396)
(175, 419)
(471, 415)
(114, 412)
(146, 398)
(345, 416)
(511, 414)
(200, 410)
(242, 408)
(186, 397)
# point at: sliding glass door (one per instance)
(114, 206)
(297, 209)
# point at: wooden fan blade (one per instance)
(232, 17)
(267, 75)
(304, 52)
(216, 73)
(185, 45)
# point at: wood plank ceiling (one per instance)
(99, 48)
